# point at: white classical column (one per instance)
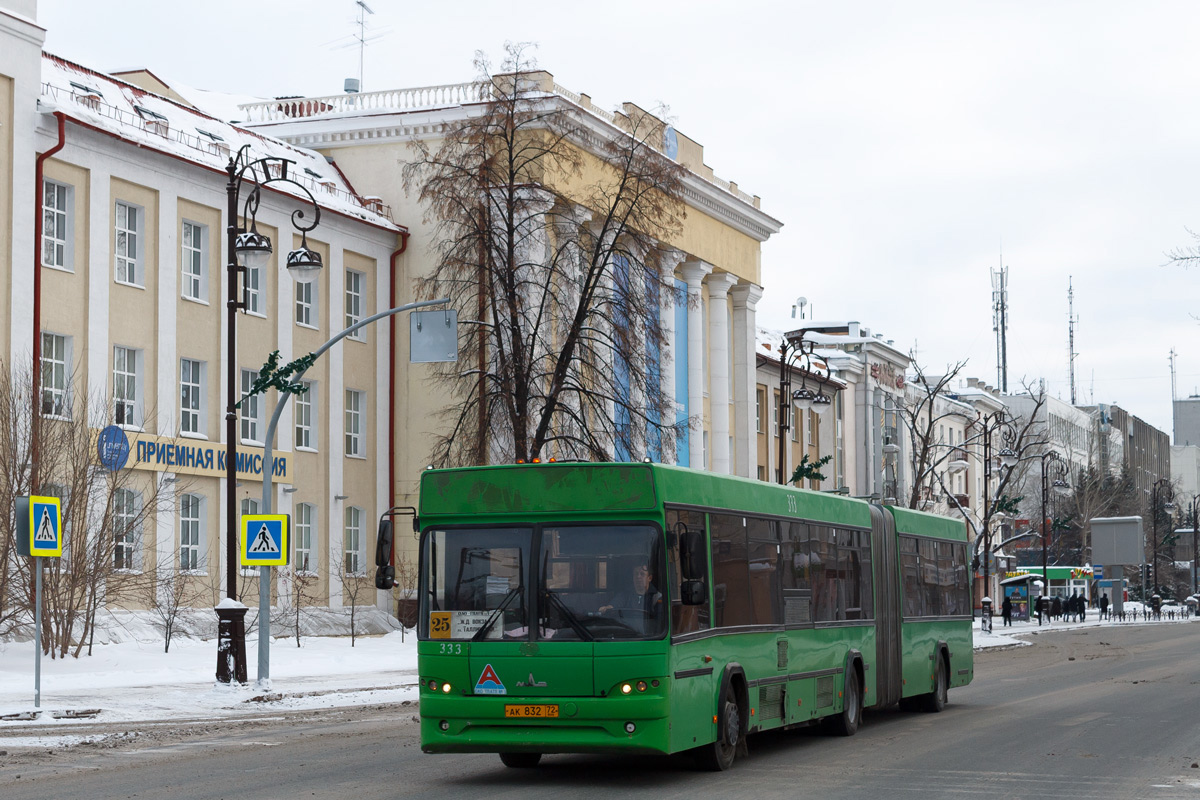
(666, 361)
(719, 284)
(745, 434)
(693, 273)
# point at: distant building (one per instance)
(1186, 415)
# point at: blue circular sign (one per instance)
(112, 447)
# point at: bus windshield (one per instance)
(583, 583)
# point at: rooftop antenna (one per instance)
(800, 303)
(1174, 396)
(1071, 320)
(363, 10)
(1000, 322)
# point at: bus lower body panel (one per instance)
(584, 725)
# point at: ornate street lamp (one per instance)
(1161, 490)
(248, 249)
(1060, 487)
(990, 424)
(796, 351)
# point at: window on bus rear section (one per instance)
(468, 574)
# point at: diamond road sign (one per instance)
(42, 535)
(265, 540)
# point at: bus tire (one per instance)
(520, 760)
(936, 700)
(846, 723)
(719, 755)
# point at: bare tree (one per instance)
(924, 410)
(356, 588)
(170, 597)
(301, 592)
(551, 236)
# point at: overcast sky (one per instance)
(903, 145)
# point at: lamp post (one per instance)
(794, 351)
(248, 249)
(990, 424)
(1060, 487)
(1161, 489)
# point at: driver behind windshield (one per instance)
(642, 597)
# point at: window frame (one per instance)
(198, 372)
(305, 418)
(356, 298)
(252, 292)
(251, 412)
(134, 420)
(306, 306)
(304, 540)
(355, 442)
(127, 535)
(134, 236)
(195, 253)
(66, 192)
(192, 501)
(359, 551)
(63, 393)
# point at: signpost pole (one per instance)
(264, 623)
(37, 633)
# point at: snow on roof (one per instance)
(158, 123)
(766, 344)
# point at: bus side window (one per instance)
(683, 527)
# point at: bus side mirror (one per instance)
(692, 593)
(385, 577)
(691, 553)
(383, 544)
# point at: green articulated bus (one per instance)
(641, 608)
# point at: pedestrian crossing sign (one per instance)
(265, 540)
(45, 527)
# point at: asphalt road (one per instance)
(1092, 713)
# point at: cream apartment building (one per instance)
(126, 278)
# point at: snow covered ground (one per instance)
(133, 682)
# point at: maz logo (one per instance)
(531, 683)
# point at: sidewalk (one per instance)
(1005, 636)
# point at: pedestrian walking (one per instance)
(1006, 610)
(1103, 606)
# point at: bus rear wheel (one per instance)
(520, 760)
(719, 755)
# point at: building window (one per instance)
(353, 541)
(195, 276)
(129, 249)
(249, 506)
(759, 395)
(251, 407)
(54, 361)
(354, 415)
(189, 532)
(354, 302)
(125, 535)
(809, 432)
(305, 414)
(304, 525)
(252, 286)
(306, 304)
(191, 396)
(126, 403)
(797, 422)
(56, 225)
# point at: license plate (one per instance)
(531, 711)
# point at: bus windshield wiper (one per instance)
(570, 617)
(487, 626)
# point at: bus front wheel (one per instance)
(936, 700)
(520, 760)
(719, 755)
(846, 723)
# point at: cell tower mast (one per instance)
(363, 10)
(1000, 323)
(1071, 320)
(1174, 396)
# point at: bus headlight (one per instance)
(446, 688)
(626, 688)
(641, 686)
